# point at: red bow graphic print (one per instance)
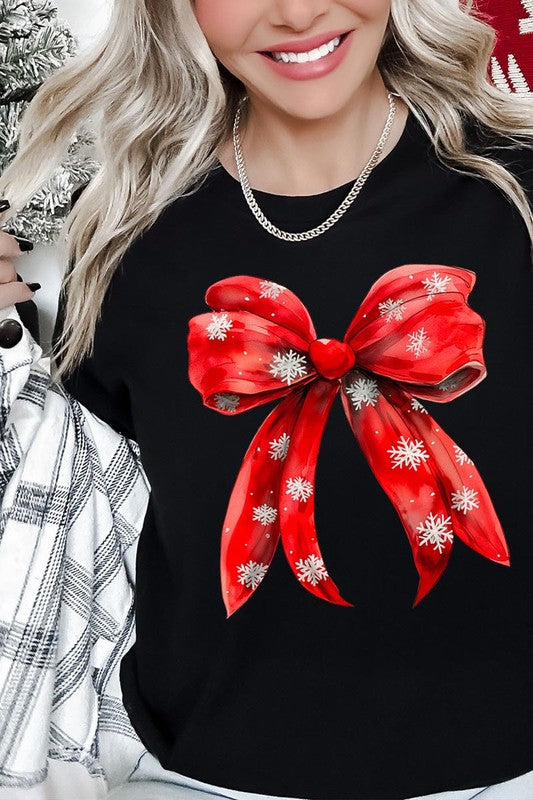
(413, 336)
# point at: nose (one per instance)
(300, 15)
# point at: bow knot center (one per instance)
(331, 357)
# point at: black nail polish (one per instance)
(24, 243)
(34, 286)
(4, 205)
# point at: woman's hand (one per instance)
(13, 290)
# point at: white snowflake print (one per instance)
(265, 514)
(461, 456)
(299, 488)
(288, 366)
(419, 340)
(465, 499)
(447, 384)
(280, 447)
(363, 390)
(252, 573)
(434, 531)
(393, 309)
(271, 289)
(219, 326)
(226, 401)
(416, 405)
(436, 284)
(311, 569)
(410, 453)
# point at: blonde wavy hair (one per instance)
(166, 104)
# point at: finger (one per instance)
(15, 292)
(8, 271)
(9, 247)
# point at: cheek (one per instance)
(226, 24)
(370, 10)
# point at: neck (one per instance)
(291, 156)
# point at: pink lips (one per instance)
(310, 69)
(304, 45)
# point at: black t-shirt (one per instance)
(293, 695)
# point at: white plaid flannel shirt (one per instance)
(73, 499)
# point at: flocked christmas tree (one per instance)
(33, 44)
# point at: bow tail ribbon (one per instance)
(296, 500)
(473, 514)
(415, 463)
(251, 528)
(273, 495)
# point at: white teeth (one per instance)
(311, 55)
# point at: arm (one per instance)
(68, 541)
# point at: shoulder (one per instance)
(187, 209)
(517, 158)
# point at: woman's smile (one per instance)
(312, 64)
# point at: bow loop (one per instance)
(417, 329)
(266, 299)
(238, 360)
(406, 282)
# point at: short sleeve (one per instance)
(518, 159)
(97, 382)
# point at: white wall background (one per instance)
(45, 263)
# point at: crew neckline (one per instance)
(309, 207)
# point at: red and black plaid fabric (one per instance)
(511, 67)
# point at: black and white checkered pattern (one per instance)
(73, 499)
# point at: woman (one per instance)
(253, 202)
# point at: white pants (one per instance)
(149, 781)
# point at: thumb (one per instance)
(14, 292)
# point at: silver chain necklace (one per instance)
(346, 203)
